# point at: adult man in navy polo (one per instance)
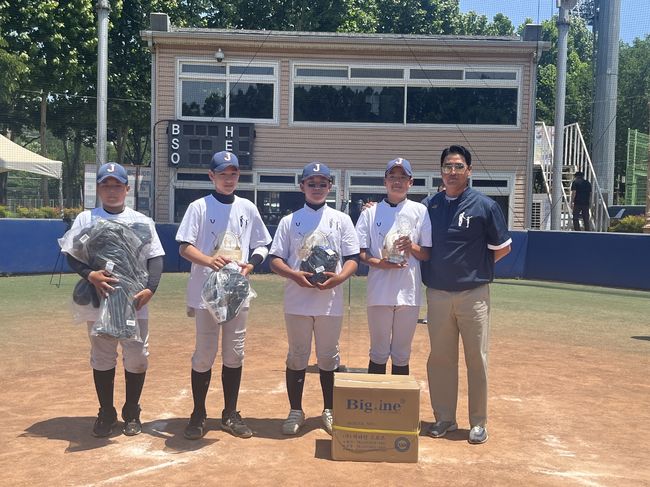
(469, 235)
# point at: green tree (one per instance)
(633, 95)
(58, 42)
(579, 84)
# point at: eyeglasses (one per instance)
(458, 167)
(319, 185)
(401, 179)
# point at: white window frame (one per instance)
(228, 79)
(406, 82)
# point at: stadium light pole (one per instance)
(560, 94)
(103, 9)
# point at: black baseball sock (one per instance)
(374, 368)
(327, 385)
(400, 369)
(104, 380)
(200, 386)
(230, 380)
(295, 384)
(134, 384)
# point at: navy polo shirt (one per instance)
(462, 229)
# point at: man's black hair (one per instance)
(456, 149)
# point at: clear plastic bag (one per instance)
(319, 261)
(117, 317)
(120, 249)
(226, 292)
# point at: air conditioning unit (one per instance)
(541, 212)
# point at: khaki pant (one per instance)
(450, 315)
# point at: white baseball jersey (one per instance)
(85, 218)
(296, 235)
(216, 228)
(376, 227)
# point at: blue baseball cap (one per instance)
(222, 160)
(400, 162)
(112, 170)
(315, 169)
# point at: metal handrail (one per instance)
(576, 158)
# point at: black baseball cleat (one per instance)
(131, 416)
(195, 429)
(106, 420)
(234, 424)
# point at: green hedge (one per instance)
(46, 212)
(629, 224)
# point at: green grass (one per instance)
(583, 315)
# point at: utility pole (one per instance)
(103, 9)
(45, 193)
(560, 94)
(607, 28)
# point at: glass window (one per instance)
(283, 179)
(436, 74)
(471, 106)
(323, 72)
(377, 73)
(273, 205)
(203, 68)
(330, 103)
(204, 99)
(228, 92)
(490, 183)
(490, 75)
(252, 70)
(251, 100)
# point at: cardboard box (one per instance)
(376, 418)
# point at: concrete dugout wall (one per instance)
(601, 259)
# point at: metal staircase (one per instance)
(576, 158)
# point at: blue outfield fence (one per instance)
(601, 259)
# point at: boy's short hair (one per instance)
(112, 170)
(223, 160)
(456, 149)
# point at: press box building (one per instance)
(353, 101)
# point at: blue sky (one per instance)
(635, 14)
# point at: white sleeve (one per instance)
(188, 230)
(280, 246)
(362, 229)
(260, 236)
(156, 248)
(349, 239)
(425, 237)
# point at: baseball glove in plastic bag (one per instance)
(226, 292)
(319, 261)
(120, 249)
(117, 317)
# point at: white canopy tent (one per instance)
(13, 157)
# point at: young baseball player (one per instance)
(216, 230)
(112, 188)
(394, 235)
(313, 301)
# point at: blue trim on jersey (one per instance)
(461, 231)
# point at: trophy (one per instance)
(390, 252)
(228, 246)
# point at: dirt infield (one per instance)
(569, 397)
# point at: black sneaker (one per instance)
(234, 424)
(195, 429)
(131, 416)
(106, 420)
